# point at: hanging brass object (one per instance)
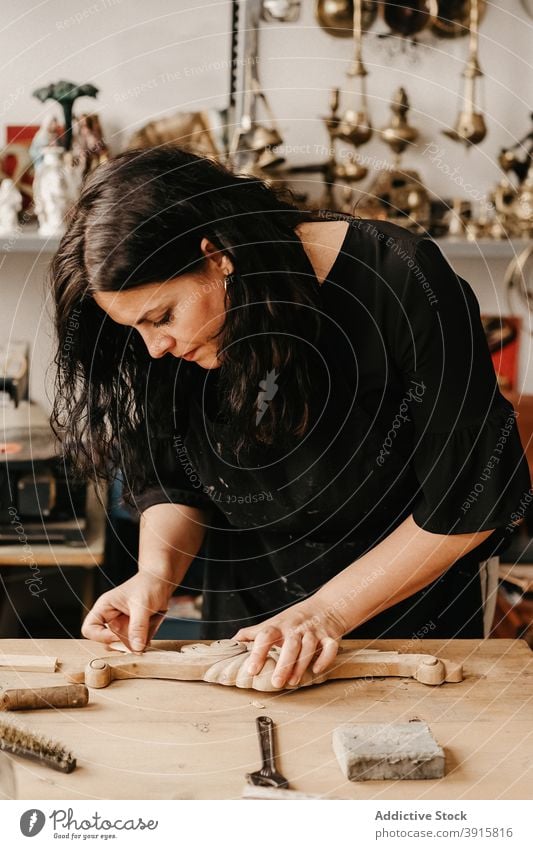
(398, 134)
(253, 145)
(282, 11)
(453, 18)
(262, 137)
(336, 16)
(259, 140)
(398, 194)
(407, 18)
(522, 207)
(470, 127)
(354, 126)
(512, 195)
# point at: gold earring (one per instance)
(228, 278)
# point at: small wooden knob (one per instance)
(431, 671)
(97, 674)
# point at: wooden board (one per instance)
(171, 739)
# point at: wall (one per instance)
(150, 60)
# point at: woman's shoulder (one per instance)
(382, 256)
(384, 239)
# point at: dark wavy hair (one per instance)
(140, 219)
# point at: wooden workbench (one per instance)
(184, 740)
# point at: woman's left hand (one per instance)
(307, 635)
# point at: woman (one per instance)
(313, 390)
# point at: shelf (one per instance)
(29, 241)
(456, 248)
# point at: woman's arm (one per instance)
(407, 560)
(170, 537)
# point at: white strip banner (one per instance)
(258, 824)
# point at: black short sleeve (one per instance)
(467, 453)
(173, 479)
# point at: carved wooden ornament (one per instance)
(225, 662)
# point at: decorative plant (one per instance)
(65, 93)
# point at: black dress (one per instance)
(408, 419)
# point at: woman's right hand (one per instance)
(131, 612)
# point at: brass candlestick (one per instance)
(398, 194)
(470, 127)
(353, 126)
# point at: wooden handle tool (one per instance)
(68, 696)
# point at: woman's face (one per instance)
(180, 316)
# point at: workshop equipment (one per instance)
(14, 372)
(382, 751)
(18, 740)
(28, 698)
(267, 776)
(39, 502)
(225, 662)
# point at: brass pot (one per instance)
(453, 18)
(407, 18)
(336, 16)
(354, 127)
(470, 128)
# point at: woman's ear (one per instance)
(217, 256)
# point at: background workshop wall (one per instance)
(150, 60)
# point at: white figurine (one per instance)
(47, 135)
(51, 192)
(73, 172)
(10, 206)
